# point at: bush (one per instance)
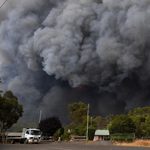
(91, 132)
(76, 131)
(114, 138)
(57, 134)
(122, 124)
(106, 139)
(121, 139)
(66, 136)
(129, 139)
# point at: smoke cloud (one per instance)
(49, 48)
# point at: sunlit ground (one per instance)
(135, 143)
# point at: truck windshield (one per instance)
(35, 132)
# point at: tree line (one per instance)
(136, 121)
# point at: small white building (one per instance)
(101, 134)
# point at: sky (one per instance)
(57, 52)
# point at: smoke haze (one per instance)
(56, 52)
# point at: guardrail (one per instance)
(78, 138)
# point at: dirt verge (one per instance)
(145, 143)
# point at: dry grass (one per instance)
(89, 142)
(135, 143)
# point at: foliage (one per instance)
(80, 130)
(129, 139)
(122, 124)
(22, 124)
(106, 139)
(123, 135)
(62, 130)
(121, 139)
(141, 118)
(56, 134)
(142, 111)
(101, 122)
(66, 136)
(77, 113)
(50, 125)
(91, 132)
(109, 125)
(110, 117)
(76, 131)
(137, 121)
(10, 110)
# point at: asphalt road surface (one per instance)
(68, 146)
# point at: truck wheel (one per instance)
(12, 142)
(26, 141)
(21, 142)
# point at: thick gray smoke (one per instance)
(49, 48)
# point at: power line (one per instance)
(3, 4)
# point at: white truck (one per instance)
(28, 135)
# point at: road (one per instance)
(68, 146)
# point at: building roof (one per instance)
(102, 132)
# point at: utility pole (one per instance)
(40, 116)
(91, 121)
(87, 123)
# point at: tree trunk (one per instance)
(2, 125)
(4, 137)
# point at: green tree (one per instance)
(101, 122)
(21, 124)
(146, 130)
(122, 124)
(138, 121)
(145, 111)
(77, 113)
(110, 117)
(50, 125)
(62, 130)
(140, 117)
(10, 110)
(82, 127)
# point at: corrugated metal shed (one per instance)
(102, 132)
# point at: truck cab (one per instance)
(31, 135)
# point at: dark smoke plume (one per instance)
(56, 52)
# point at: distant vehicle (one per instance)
(47, 137)
(28, 135)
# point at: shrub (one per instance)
(91, 132)
(114, 138)
(129, 139)
(121, 139)
(76, 131)
(106, 139)
(57, 134)
(66, 136)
